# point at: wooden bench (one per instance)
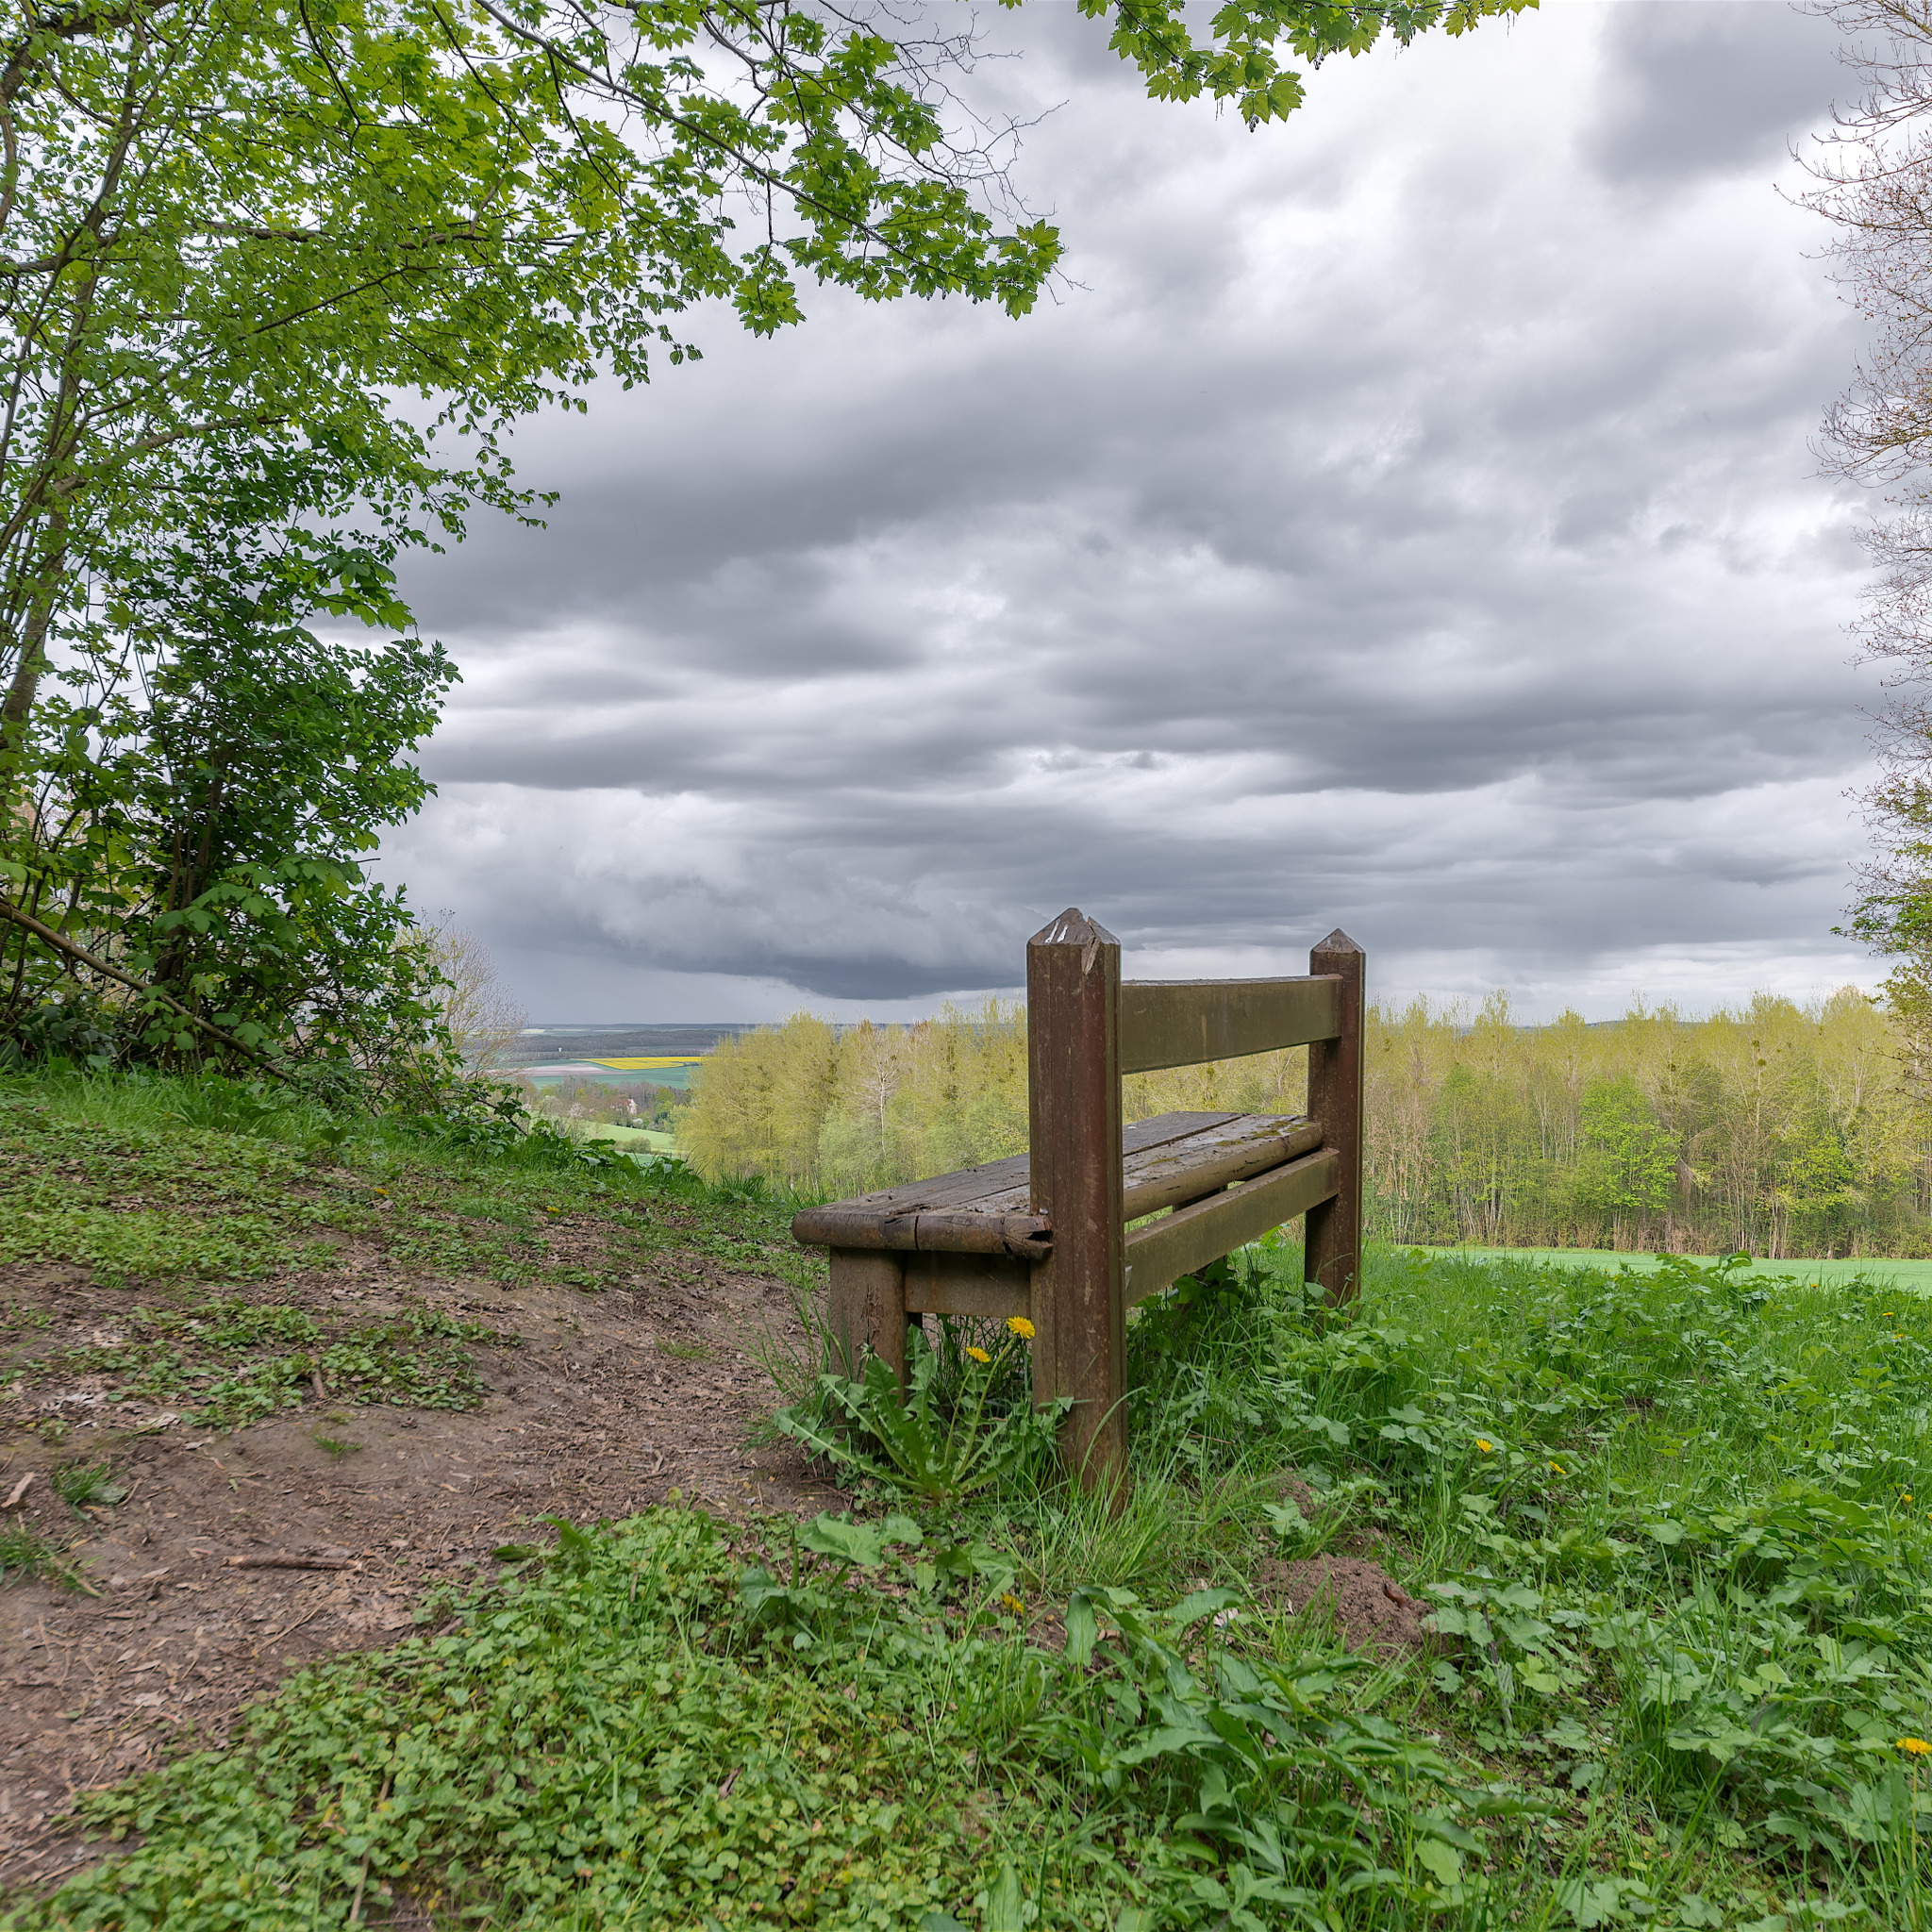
(1045, 1234)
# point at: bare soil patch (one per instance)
(1372, 1611)
(611, 1402)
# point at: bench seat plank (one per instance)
(1170, 1161)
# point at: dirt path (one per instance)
(611, 1401)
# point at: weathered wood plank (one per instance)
(1160, 1253)
(1073, 1106)
(1176, 1161)
(1173, 1176)
(1142, 1141)
(967, 1187)
(1003, 1187)
(959, 1232)
(1334, 1233)
(990, 1286)
(1180, 1023)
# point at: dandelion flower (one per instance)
(1484, 1443)
(1021, 1326)
(1917, 1747)
(979, 1355)
(1019, 1609)
(1907, 1497)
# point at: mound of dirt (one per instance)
(1371, 1610)
(1288, 1487)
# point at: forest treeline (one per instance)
(1779, 1129)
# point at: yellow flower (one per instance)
(1017, 1608)
(1560, 1469)
(979, 1355)
(1021, 1326)
(1917, 1746)
(1907, 1497)
(1483, 1443)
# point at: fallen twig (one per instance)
(19, 1490)
(61, 943)
(287, 1559)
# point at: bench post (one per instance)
(865, 1308)
(1073, 1104)
(1333, 1229)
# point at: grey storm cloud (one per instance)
(1400, 517)
(1703, 88)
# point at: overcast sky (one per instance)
(1403, 520)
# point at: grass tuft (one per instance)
(88, 1486)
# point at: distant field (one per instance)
(661, 1070)
(629, 1137)
(624, 1072)
(1916, 1275)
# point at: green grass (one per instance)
(25, 1551)
(1675, 1521)
(1917, 1275)
(88, 1486)
(197, 1169)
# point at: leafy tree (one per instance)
(1875, 186)
(206, 774)
(1626, 1165)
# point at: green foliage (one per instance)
(1626, 1166)
(641, 1728)
(206, 775)
(221, 1357)
(807, 1104)
(1673, 1523)
(1777, 1129)
(1238, 64)
(70, 1192)
(915, 1440)
(1669, 1515)
(1780, 1130)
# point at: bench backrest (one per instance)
(1085, 1029)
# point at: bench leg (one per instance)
(1333, 1231)
(1074, 1104)
(866, 1309)
(1046, 1373)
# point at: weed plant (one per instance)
(937, 1442)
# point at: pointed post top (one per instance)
(1073, 928)
(1337, 942)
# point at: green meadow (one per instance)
(1913, 1276)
